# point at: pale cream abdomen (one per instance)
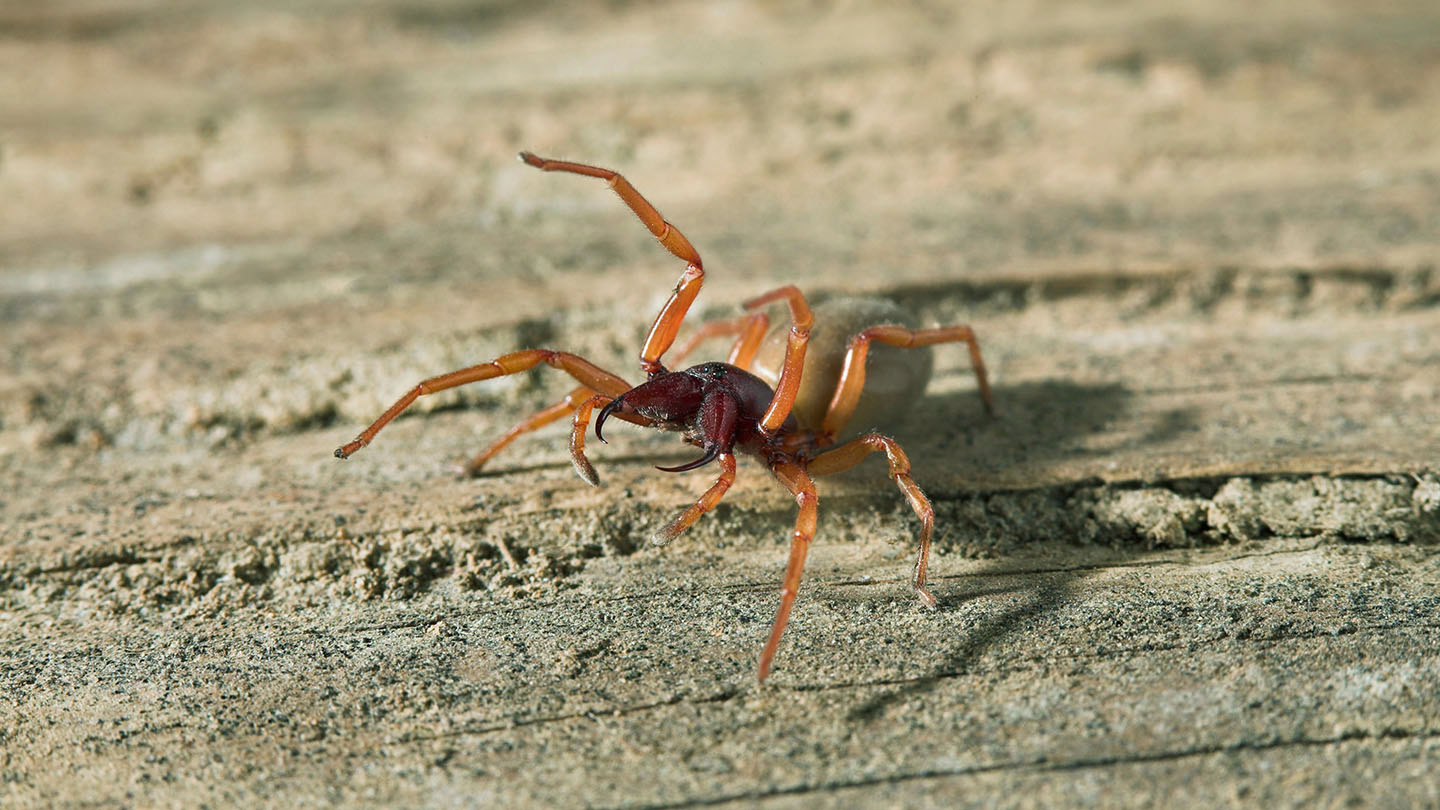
(894, 378)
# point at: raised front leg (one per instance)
(672, 314)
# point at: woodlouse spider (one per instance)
(771, 398)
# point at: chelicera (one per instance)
(769, 399)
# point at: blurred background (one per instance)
(286, 191)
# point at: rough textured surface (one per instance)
(1193, 557)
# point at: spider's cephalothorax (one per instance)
(718, 407)
(724, 407)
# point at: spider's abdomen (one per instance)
(894, 379)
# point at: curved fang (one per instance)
(605, 414)
(709, 456)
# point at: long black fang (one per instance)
(699, 462)
(605, 414)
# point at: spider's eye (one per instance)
(710, 371)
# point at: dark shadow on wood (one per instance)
(1043, 597)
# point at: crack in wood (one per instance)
(1043, 764)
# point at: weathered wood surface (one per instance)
(1192, 559)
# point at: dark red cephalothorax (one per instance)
(718, 406)
(724, 407)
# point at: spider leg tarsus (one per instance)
(467, 469)
(926, 598)
(585, 470)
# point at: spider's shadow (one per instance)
(1038, 427)
(1055, 590)
(1037, 424)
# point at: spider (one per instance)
(789, 419)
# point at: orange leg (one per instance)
(687, 518)
(852, 375)
(577, 435)
(577, 439)
(853, 452)
(795, 479)
(751, 329)
(589, 374)
(707, 502)
(788, 384)
(667, 323)
(536, 421)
